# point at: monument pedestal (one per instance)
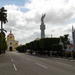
(42, 28)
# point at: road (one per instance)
(14, 63)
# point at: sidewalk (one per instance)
(46, 56)
(64, 58)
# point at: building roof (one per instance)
(71, 45)
(10, 33)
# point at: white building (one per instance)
(70, 48)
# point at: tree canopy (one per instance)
(3, 17)
(65, 41)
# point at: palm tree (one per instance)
(3, 17)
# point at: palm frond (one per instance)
(4, 30)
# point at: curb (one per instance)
(72, 60)
(66, 59)
(1, 55)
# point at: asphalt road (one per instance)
(14, 63)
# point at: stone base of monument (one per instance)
(42, 28)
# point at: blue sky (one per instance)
(24, 18)
(16, 2)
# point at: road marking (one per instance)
(12, 60)
(15, 67)
(63, 64)
(41, 65)
(28, 59)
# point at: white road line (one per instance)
(12, 60)
(15, 67)
(63, 64)
(28, 59)
(41, 65)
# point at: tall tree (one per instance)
(65, 41)
(36, 46)
(57, 47)
(3, 17)
(3, 44)
(46, 43)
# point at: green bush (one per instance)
(63, 54)
(58, 48)
(68, 54)
(3, 44)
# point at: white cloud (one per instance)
(26, 25)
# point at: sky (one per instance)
(24, 18)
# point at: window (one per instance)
(10, 37)
(10, 43)
(16, 43)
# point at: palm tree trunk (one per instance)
(1, 26)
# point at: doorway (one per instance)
(10, 48)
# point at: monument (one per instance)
(42, 26)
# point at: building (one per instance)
(11, 42)
(70, 48)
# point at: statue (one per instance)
(43, 16)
